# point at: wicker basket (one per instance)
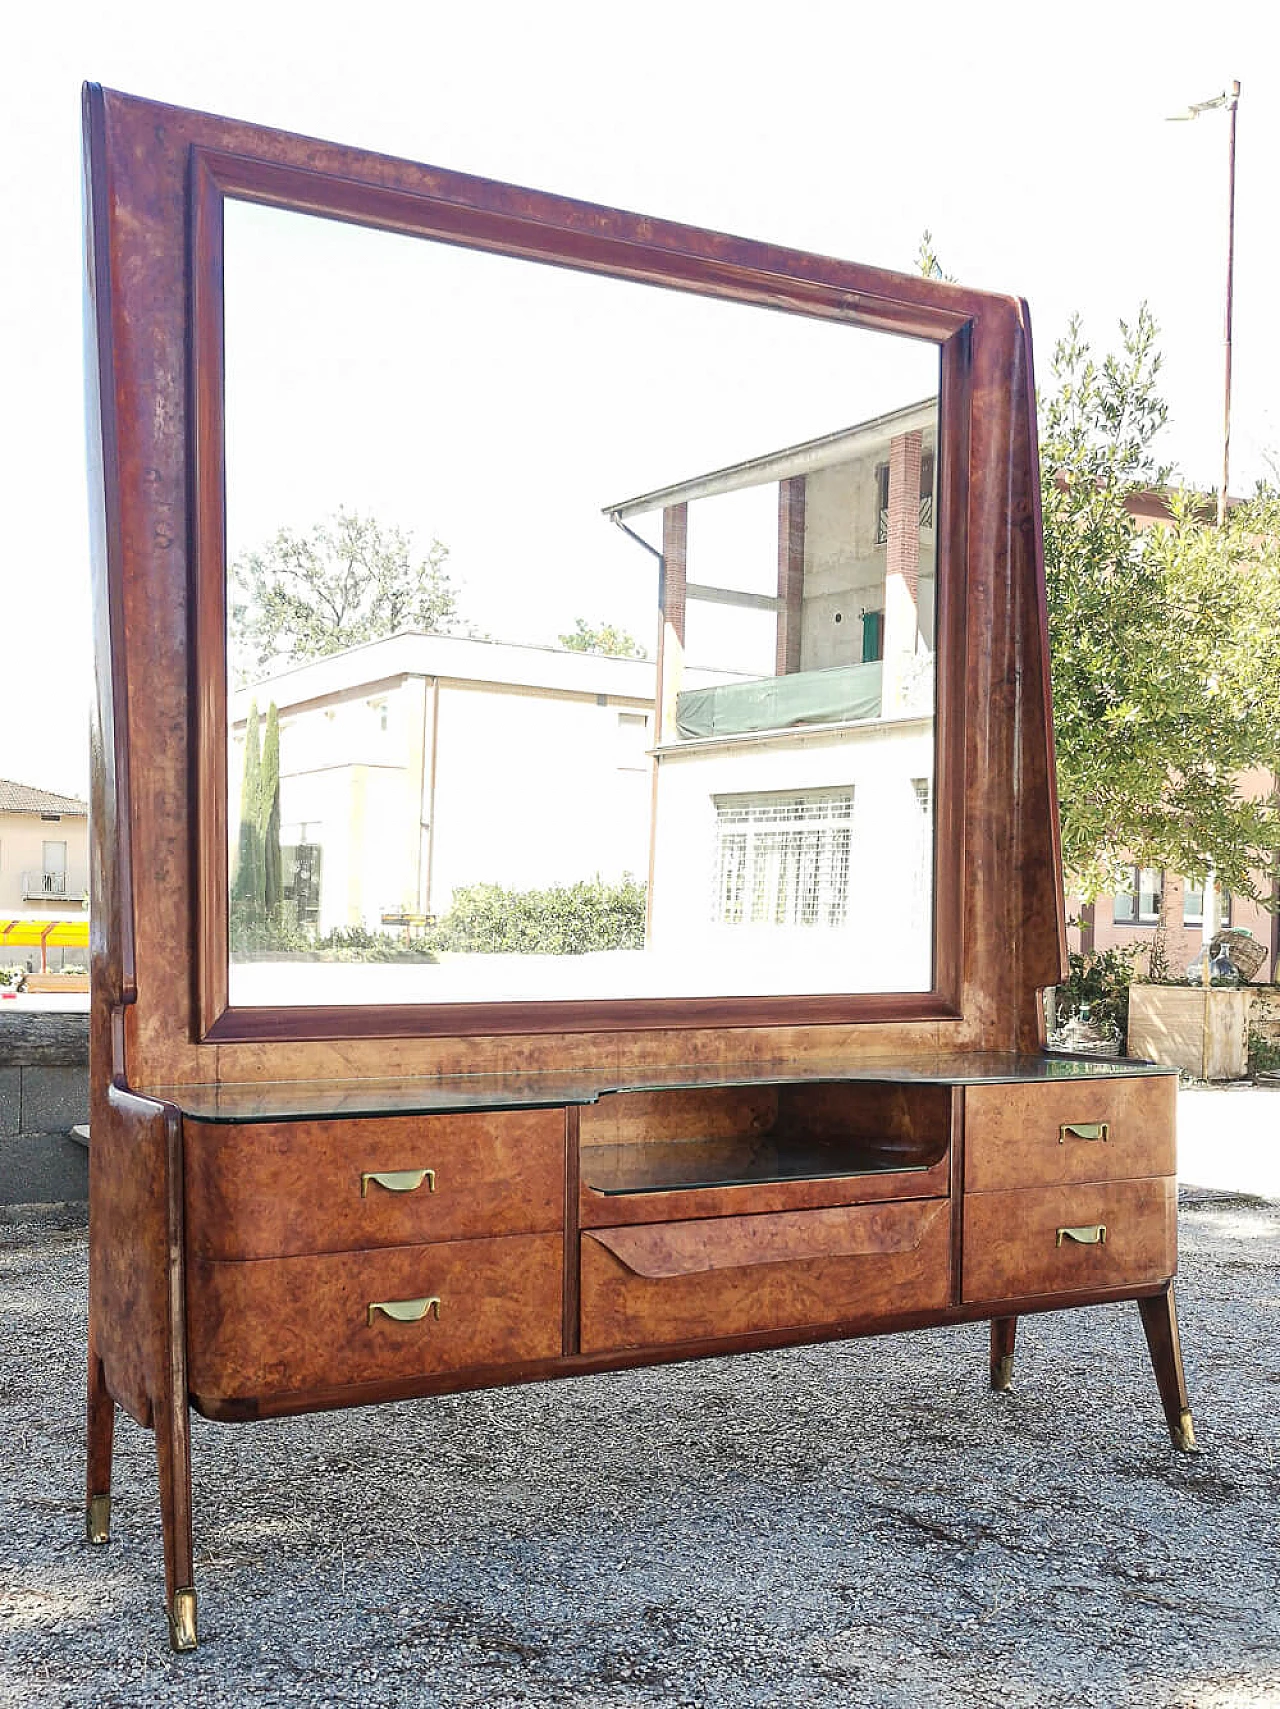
(1246, 953)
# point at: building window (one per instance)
(1137, 897)
(927, 466)
(782, 860)
(882, 503)
(1193, 904)
(872, 636)
(926, 489)
(633, 741)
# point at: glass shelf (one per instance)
(734, 1162)
(319, 1100)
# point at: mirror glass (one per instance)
(580, 633)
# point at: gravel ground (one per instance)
(858, 1525)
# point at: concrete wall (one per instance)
(844, 565)
(44, 1091)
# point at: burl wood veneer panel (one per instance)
(1013, 1133)
(136, 1149)
(276, 1326)
(672, 1282)
(275, 1189)
(1011, 1246)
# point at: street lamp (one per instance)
(1231, 101)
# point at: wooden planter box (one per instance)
(48, 983)
(1167, 1024)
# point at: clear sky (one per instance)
(1028, 138)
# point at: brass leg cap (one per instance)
(1183, 1433)
(182, 1621)
(97, 1519)
(1002, 1372)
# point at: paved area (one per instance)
(856, 1525)
(1229, 1138)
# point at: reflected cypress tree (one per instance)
(269, 815)
(248, 884)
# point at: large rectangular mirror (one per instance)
(582, 636)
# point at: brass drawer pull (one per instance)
(398, 1180)
(404, 1311)
(1084, 1130)
(1093, 1234)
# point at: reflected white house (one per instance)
(417, 764)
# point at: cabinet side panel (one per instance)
(111, 910)
(130, 1164)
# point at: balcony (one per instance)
(66, 888)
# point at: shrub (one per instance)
(358, 943)
(1099, 982)
(564, 919)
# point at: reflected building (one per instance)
(418, 764)
(802, 801)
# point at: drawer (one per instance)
(662, 1283)
(1041, 1135)
(1012, 1245)
(276, 1189)
(273, 1326)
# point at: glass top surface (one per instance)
(317, 1100)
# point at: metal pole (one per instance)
(1233, 104)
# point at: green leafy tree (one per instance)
(1163, 641)
(927, 260)
(350, 579)
(602, 638)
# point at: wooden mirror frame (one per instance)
(157, 179)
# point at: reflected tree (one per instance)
(349, 579)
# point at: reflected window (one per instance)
(783, 860)
(1138, 896)
(1193, 904)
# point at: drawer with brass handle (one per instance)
(1043, 1134)
(397, 1180)
(403, 1311)
(283, 1326)
(1084, 1130)
(282, 1189)
(1045, 1240)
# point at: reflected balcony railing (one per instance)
(54, 886)
(882, 519)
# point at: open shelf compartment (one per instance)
(686, 1140)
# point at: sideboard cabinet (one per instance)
(793, 1087)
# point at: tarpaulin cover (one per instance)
(836, 696)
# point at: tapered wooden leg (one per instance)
(173, 1455)
(1160, 1322)
(101, 1433)
(1003, 1332)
